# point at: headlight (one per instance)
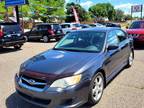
(22, 67)
(65, 82)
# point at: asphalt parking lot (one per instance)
(125, 91)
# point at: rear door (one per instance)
(123, 45)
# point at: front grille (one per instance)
(33, 82)
(40, 101)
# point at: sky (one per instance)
(124, 5)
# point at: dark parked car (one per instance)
(110, 24)
(45, 31)
(76, 70)
(136, 31)
(10, 35)
(85, 26)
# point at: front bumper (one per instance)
(71, 97)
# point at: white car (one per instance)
(68, 27)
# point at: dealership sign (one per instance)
(15, 2)
(137, 8)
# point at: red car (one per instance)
(136, 30)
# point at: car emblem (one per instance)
(31, 82)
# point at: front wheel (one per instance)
(17, 47)
(96, 89)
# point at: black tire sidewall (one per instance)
(91, 100)
(47, 39)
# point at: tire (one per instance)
(46, 39)
(96, 90)
(58, 39)
(17, 47)
(26, 38)
(130, 60)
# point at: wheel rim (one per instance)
(131, 59)
(45, 39)
(26, 38)
(97, 88)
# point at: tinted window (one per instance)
(112, 38)
(76, 25)
(11, 28)
(65, 26)
(56, 27)
(121, 35)
(44, 27)
(137, 25)
(82, 41)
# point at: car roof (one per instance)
(138, 21)
(69, 23)
(99, 29)
(47, 24)
(8, 23)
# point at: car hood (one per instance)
(135, 31)
(54, 62)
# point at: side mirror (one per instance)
(112, 47)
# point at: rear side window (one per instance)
(44, 27)
(112, 38)
(76, 25)
(56, 27)
(121, 35)
(65, 26)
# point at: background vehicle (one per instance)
(10, 35)
(76, 70)
(110, 24)
(45, 31)
(85, 26)
(136, 30)
(97, 25)
(68, 27)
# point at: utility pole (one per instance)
(17, 14)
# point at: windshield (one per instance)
(137, 25)
(85, 41)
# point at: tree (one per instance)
(42, 9)
(119, 16)
(102, 10)
(127, 17)
(82, 13)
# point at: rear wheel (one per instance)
(96, 89)
(46, 39)
(57, 39)
(17, 47)
(130, 60)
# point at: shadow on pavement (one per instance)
(14, 101)
(139, 47)
(40, 41)
(7, 50)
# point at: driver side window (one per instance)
(112, 38)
